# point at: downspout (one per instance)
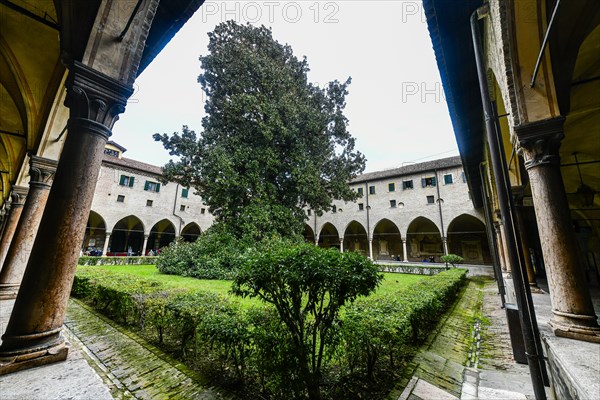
(439, 201)
(491, 242)
(527, 316)
(368, 221)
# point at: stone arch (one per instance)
(95, 234)
(424, 240)
(387, 241)
(161, 234)
(309, 234)
(329, 236)
(127, 237)
(191, 232)
(356, 239)
(467, 238)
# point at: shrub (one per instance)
(452, 259)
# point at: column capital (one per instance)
(41, 171)
(540, 141)
(95, 99)
(18, 195)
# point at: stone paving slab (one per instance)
(135, 368)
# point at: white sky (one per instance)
(396, 107)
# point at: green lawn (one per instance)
(391, 283)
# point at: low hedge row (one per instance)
(125, 260)
(246, 349)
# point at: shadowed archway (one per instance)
(356, 239)
(387, 241)
(467, 238)
(424, 240)
(191, 232)
(95, 235)
(329, 236)
(127, 237)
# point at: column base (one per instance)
(8, 291)
(579, 327)
(18, 362)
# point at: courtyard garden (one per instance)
(347, 333)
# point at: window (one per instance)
(120, 198)
(334, 209)
(448, 179)
(360, 191)
(426, 182)
(407, 185)
(391, 187)
(361, 206)
(149, 203)
(126, 180)
(203, 211)
(152, 186)
(430, 200)
(182, 207)
(309, 212)
(185, 192)
(371, 189)
(111, 152)
(393, 203)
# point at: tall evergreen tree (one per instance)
(272, 142)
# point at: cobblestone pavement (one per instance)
(131, 367)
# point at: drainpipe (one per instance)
(527, 316)
(439, 201)
(369, 240)
(491, 242)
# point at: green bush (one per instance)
(214, 255)
(452, 259)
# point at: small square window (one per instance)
(393, 203)
(371, 189)
(426, 182)
(361, 206)
(203, 211)
(149, 203)
(407, 185)
(448, 179)
(185, 192)
(309, 212)
(126, 180)
(334, 209)
(360, 191)
(120, 198)
(182, 207)
(391, 187)
(430, 200)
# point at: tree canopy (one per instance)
(272, 142)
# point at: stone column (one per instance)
(41, 172)
(371, 249)
(145, 244)
(504, 250)
(18, 195)
(341, 245)
(518, 198)
(445, 242)
(404, 251)
(106, 242)
(317, 242)
(500, 245)
(33, 334)
(573, 312)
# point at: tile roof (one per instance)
(441, 163)
(135, 165)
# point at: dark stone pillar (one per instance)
(572, 307)
(41, 172)
(17, 196)
(33, 335)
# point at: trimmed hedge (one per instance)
(125, 260)
(247, 349)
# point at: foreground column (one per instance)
(41, 172)
(404, 251)
(572, 307)
(33, 335)
(18, 195)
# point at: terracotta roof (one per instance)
(441, 163)
(134, 165)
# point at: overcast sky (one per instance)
(396, 107)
